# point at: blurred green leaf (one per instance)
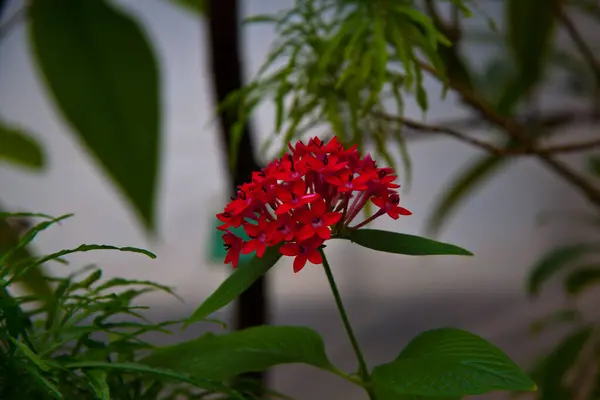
(449, 362)
(33, 280)
(531, 27)
(593, 164)
(401, 243)
(236, 283)
(97, 380)
(556, 317)
(551, 371)
(553, 262)
(254, 349)
(197, 6)
(470, 178)
(582, 278)
(20, 148)
(102, 73)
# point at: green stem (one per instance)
(362, 365)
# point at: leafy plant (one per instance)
(86, 340)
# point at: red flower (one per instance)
(305, 198)
(294, 196)
(317, 221)
(303, 251)
(259, 234)
(233, 245)
(390, 206)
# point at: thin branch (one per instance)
(581, 44)
(517, 132)
(425, 128)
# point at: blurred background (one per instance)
(390, 298)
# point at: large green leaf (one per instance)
(401, 243)
(255, 349)
(582, 278)
(449, 362)
(553, 262)
(531, 27)
(19, 148)
(103, 75)
(470, 178)
(236, 283)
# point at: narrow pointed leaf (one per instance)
(449, 362)
(103, 76)
(254, 349)
(552, 370)
(145, 369)
(240, 280)
(555, 261)
(561, 316)
(582, 278)
(531, 27)
(20, 149)
(401, 243)
(97, 381)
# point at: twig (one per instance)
(582, 46)
(421, 127)
(516, 132)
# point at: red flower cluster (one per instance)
(304, 198)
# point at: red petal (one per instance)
(305, 232)
(282, 209)
(332, 218)
(250, 246)
(315, 257)
(404, 211)
(299, 263)
(318, 207)
(309, 198)
(324, 233)
(289, 249)
(260, 249)
(378, 201)
(252, 230)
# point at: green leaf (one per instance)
(449, 362)
(240, 280)
(103, 76)
(581, 279)
(531, 27)
(255, 349)
(41, 364)
(34, 280)
(550, 373)
(593, 164)
(401, 243)
(158, 372)
(197, 6)
(553, 262)
(97, 380)
(560, 316)
(19, 148)
(470, 178)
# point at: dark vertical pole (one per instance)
(225, 62)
